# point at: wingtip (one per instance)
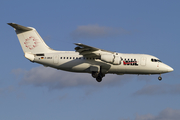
(77, 43)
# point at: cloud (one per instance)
(159, 89)
(8, 89)
(59, 98)
(96, 31)
(57, 79)
(166, 114)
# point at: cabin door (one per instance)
(56, 60)
(143, 61)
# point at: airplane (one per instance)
(86, 59)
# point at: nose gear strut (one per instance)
(160, 78)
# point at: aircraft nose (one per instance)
(170, 69)
(165, 68)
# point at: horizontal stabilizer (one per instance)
(19, 27)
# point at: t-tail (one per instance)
(31, 42)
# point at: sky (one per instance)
(29, 91)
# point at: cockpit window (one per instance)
(155, 60)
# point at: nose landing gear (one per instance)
(160, 78)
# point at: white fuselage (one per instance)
(130, 63)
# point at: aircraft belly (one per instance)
(74, 66)
(140, 70)
(117, 69)
(81, 67)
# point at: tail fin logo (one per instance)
(31, 42)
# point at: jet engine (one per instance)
(110, 58)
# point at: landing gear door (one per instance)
(143, 61)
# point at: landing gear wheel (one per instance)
(98, 75)
(99, 79)
(95, 74)
(159, 78)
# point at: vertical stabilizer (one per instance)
(30, 40)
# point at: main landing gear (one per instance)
(98, 76)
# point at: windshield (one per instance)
(155, 60)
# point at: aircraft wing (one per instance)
(86, 50)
